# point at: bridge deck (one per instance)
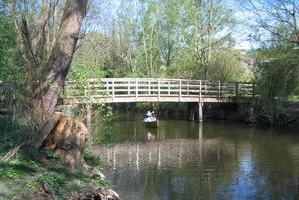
(121, 90)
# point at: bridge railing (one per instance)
(142, 88)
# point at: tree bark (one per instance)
(55, 71)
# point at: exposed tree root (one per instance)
(49, 191)
(96, 194)
(14, 151)
(65, 136)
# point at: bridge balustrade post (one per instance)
(180, 90)
(129, 88)
(200, 91)
(200, 104)
(107, 85)
(149, 88)
(219, 91)
(87, 91)
(158, 89)
(253, 90)
(113, 92)
(205, 89)
(200, 115)
(136, 89)
(168, 87)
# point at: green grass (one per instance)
(17, 169)
(23, 175)
(294, 99)
(30, 175)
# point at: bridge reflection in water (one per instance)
(160, 153)
(210, 161)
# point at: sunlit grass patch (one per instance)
(294, 99)
(17, 168)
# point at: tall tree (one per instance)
(47, 47)
(169, 29)
(274, 21)
(275, 29)
(173, 38)
(210, 24)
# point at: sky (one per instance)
(243, 32)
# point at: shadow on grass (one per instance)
(15, 171)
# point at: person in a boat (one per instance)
(149, 117)
(148, 114)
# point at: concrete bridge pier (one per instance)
(200, 115)
(191, 111)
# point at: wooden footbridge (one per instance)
(121, 90)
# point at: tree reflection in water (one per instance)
(213, 160)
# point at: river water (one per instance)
(213, 160)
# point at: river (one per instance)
(213, 160)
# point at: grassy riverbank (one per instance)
(28, 175)
(23, 177)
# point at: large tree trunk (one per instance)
(60, 132)
(57, 67)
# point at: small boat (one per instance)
(151, 124)
(150, 120)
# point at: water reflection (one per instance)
(185, 160)
(151, 134)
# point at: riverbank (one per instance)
(25, 174)
(25, 178)
(286, 116)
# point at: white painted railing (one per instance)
(154, 90)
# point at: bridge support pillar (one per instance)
(191, 111)
(200, 115)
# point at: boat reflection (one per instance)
(151, 134)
